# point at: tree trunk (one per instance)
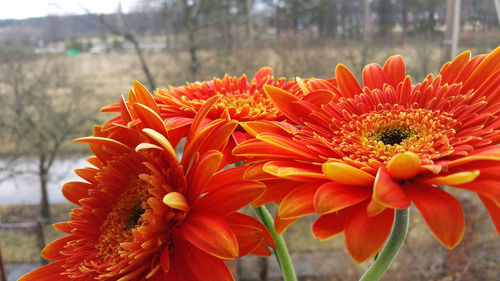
(3, 272)
(43, 175)
(144, 65)
(264, 269)
(404, 18)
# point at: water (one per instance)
(23, 187)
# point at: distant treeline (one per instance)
(258, 18)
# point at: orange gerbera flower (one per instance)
(241, 100)
(383, 146)
(146, 216)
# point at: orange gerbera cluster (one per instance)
(352, 154)
(381, 147)
(145, 215)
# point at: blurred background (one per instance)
(61, 60)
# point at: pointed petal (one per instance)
(388, 192)
(330, 225)
(283, 100)
(150, 119)
(200, 174)
(280, 225)
(441, 211)
(348, 84)
(53, 250)
(365, 235)
(163, 141)
(346, 174)
(331, 197)
(229, 198)
(112, 146)
(454, 179)
(50, 272)
(212, 235)
(299, 202)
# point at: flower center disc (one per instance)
(393, 136)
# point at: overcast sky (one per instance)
(20, 9)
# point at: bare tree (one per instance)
(123, 31)
(42, 110)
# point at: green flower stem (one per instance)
(391, 247)
(281, 250)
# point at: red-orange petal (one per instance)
(211, 234)
(374, 76)
(329, 225)
(388, 192)
(441, 211)
(299, 202)
(365, 235)
(493, 210)
(229, 198)
(75, 190)
(50, 272)
(348, 84)
(395, 70)
(331, 197)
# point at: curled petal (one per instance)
(404, 165)
(388, 192)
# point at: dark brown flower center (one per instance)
(135, 214)
(393, 136)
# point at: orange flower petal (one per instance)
(330, 225)
(299, 202)
(283, 100)
(348, 84)
(374, 76)
(201, 266)
(441, 211)
(50, 272)
(201, 173)
(404, 165)
(454, 179)
(229, 198)
(493, 209)
(175, 200)
(332, 197)
(388, 192)
(365, 235)
(211, 234)
(74, 191)
(395, 70)
(346, 174)
(53, 250)
(280, 225)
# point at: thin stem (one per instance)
(281, 250)
(391, 247)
